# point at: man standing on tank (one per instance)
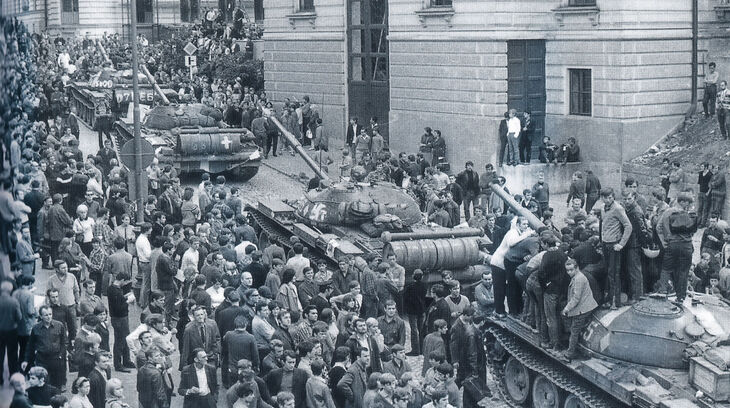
(615, 232)
(678, 224)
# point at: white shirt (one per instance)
(241, 249)
(202, 381)
(144, 250)
(514, 126)
(190, 258)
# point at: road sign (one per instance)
(127, 154)
(191, 61)
(190, 48)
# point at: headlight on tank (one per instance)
(255, 155)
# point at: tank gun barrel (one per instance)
(292, 140)
(102, 50)
(520, 210)
(156, 87)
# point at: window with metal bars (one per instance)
(580, 92)
(441, 3)
(306, 5)
(581, 3)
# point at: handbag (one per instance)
(309, 133)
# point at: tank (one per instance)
(193, 139)
(348, 217)
(654, 353)
(109, 92)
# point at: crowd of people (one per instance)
(259, 324)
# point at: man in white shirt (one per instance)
(298, 262)
(198, 383)
(144, 251)
(513, 136)
(708, 100)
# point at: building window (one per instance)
(440, 3)
(306, 5)
(580, 92)
(582, 3)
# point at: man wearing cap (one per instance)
(166, 271)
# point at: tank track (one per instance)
(271, 229)
(541, 364)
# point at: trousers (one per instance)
(613, 270)
(272, 140)
(145, 269)
(703, 208)
(512, 149)
(722, 120)
(121, 350)
(514, 290)
(415, 321)
(577, 325)
(56, 367)
(675, 267)
(525, 146)
(9, 344)
(468, 203)
(500, 288)
(632, 260)
(552, 317)
(708, 100)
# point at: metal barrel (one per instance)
(211, 130)
(292, 140)
(433, 254)
(535, 222)
(206, 143)
(452, 233)
(156, 87)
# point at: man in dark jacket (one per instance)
(289, 378)
(462, 348)
(414, 306)
(151, 387)
(199, 394)
(354, 383)
(631, 252)
(166, 271)
(58, 223)
(97, 378)
(469, 182)
(502, 139)
(554, 282)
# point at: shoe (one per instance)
(122, 370)
(266, 156)
(413, 354)
(500, 316)
(276, 155)
(129, 365)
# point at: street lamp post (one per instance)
(135, 89)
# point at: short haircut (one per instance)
(606, 192)
(38, 372)
(317, 367)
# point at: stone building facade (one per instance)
(616, 74)
(70, 17)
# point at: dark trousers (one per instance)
(22, 344)
(537, 308)
(551, 302)
(120, 350)
(369, 306)
(500, 288)
(468, 203)
(722, 120)
(632, 261)
(525, 149)
(577, 325)
(169, 306)
(415, 321)
(703, 208)
(502, 149)
(613, 270)
(675, 267)
(514, 290)
(272, 140)
(591, 200)
(54, 249)
(9, 343)
(56, 367)
(708, 100)
(716, 204)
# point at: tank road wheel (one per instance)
(246, 173)
(517, 380)
(571, 401)
(545, 394)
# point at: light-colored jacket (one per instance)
(580, 296)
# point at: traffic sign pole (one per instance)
(136, 114)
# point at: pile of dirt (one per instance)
(699, 141)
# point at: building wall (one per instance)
(304, 58)
(451, 74)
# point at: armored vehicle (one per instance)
(192, 138)
(654, 353)
(355, 218)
